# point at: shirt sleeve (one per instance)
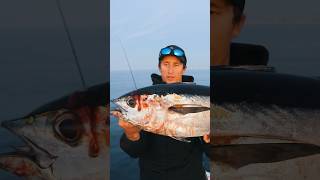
(206, 147)
(134, 148)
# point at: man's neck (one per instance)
(221, 62)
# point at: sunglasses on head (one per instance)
(171, 51)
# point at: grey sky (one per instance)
(289, 29)
(36, 62)
(283, 12)
(145, 26)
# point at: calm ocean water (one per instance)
(123, 167)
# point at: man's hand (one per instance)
(132, 132)
(206, 138)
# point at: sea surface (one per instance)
(123, 167)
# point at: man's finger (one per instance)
(115, 113)
(122, 123)
(125, 124)
(206, 138)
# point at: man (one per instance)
(161, 157)
(227, 20)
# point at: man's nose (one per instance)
(171, 70)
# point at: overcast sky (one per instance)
(283, 12)
(289, 29)
(145, 26)
(36, 62)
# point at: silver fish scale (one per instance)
(249, 120)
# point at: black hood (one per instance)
(156, 79)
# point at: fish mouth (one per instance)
(27, 160)
(119, 108)
(115, 101)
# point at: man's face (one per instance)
(171, 69)
(223, 30)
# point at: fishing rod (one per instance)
(71, 44)
(130, 69)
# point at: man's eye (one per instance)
(215, 12)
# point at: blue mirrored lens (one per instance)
(178, 52)
(165, 51)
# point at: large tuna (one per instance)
(64, 139)
(264, 118)
(175, 110)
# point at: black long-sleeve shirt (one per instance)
(164, 158)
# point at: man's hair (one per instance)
(238, 6)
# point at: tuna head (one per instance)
(144, 110)
(66, 143)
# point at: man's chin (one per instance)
(171, 82)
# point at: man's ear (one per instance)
(238, 26)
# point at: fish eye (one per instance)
(68, 128)
(131, 102)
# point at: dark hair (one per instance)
(237, 14)
(238, 7)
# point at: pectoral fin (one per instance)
(188, 108)
(241, 155)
